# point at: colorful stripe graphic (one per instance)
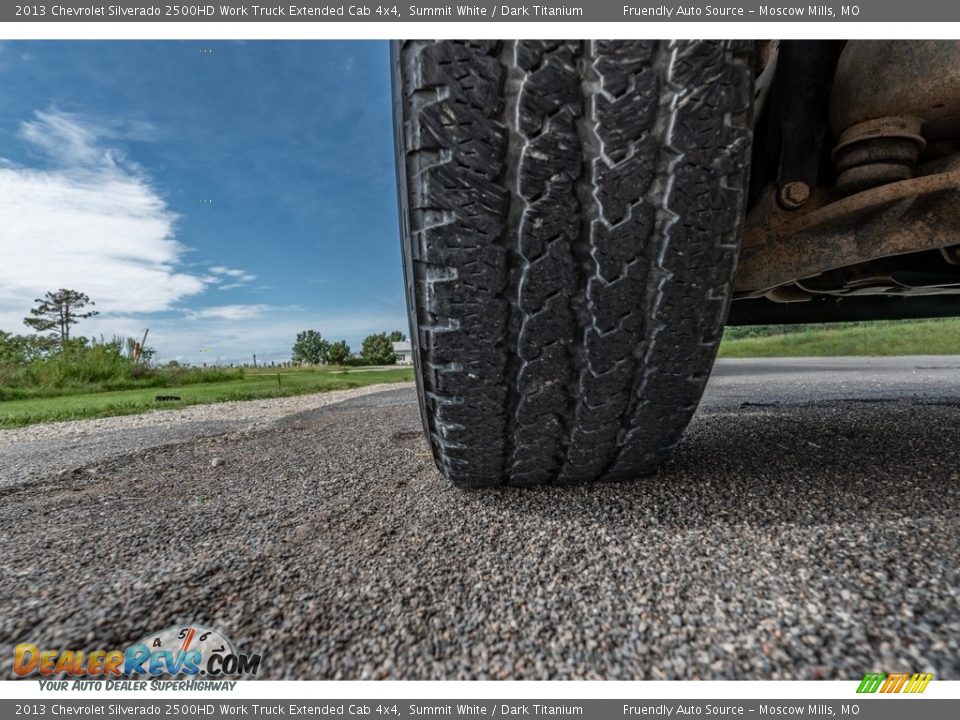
(895, 682)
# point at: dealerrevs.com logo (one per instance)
(193, 650)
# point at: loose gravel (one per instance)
(35, 452)
(791, 536)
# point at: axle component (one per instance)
(780, 246)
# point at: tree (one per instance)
(57, 311)
(310, 348)
(378, 350)
(338, 353)
(13, 349)
(397, 336)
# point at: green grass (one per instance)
(29, 389)
(253, 385)
(894, 337)
(910, 337)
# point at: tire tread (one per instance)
(573, 210)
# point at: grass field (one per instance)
(894, 337)
(915, 337)
(254, 384)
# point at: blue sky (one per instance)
(223, 194)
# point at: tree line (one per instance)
(57, 312)
(53, 361)
(311, 348)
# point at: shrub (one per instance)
(92, 367)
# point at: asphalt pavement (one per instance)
(808, 526)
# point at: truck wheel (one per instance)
(570, 216)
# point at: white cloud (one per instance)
(229, 312)
(64, 139)
(91, 222)
(240, 277)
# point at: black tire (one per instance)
(570, 216)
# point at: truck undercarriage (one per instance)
(853, 210)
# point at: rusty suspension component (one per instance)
(780, 246)
(889, 100)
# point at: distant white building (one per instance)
(403, 352)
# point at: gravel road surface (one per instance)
(35, 452)
(808, 527)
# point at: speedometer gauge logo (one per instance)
(189, 650)
(195, 641)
